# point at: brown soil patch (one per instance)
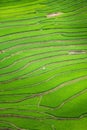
(76, 52)
(54, 14)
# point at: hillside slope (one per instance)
(43, 65)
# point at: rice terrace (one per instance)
(43, 64)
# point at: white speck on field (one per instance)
(43, 67)
(54, 14)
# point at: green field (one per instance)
(43, 65)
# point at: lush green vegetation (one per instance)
(43, 65)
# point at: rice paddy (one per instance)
(43, 65)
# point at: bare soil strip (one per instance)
(54, 14)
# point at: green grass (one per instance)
(43, 65)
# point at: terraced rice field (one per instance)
(43, 65)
